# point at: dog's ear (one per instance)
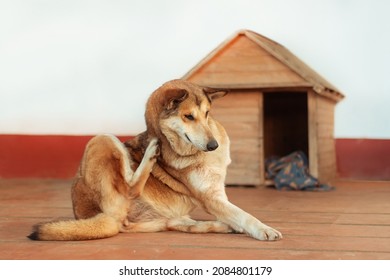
(174, 97)
(214, 93)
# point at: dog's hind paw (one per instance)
(153, 149)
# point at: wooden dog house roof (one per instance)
(250, 60)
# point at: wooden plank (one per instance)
(325, 134)
(327, 144)
(351, 222)
(316, 228)
(244, 46)
(242, 178)
(327, 161)
(239, 113)
(244, 152)
(232, 112)
(261, 155)
(129, 250)
(244, 63)
(243, 51)
(235, 118)
(325, 103)
(312, 133)
(327, 109)
(262, 79)
(325, 116)
(245, 98)
(235, 126)
(370, 220)
(245, 130)
(325, 130)
(249, 86)
(327, 172)
(159, 242)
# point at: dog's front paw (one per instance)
(153, 150)
(268, 233)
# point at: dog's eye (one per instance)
(189, 117)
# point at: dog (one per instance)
(152, 182)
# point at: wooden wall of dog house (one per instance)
(240, 112)
(322, 154)
(244, 64)
(326, 160)
(312, 132)
(325, 138)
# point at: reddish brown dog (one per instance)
(153, 182)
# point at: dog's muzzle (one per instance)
(212, 145)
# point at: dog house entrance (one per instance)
(285, 123)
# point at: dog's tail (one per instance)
(97, 227)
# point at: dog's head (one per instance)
(179, 111)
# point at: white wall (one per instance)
(87, 67)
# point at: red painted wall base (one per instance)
(47, 156)
(363, 158)
(41, 156)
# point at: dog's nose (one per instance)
(212, 145)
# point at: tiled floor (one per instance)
(352, 222)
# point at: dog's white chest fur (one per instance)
(211, 173)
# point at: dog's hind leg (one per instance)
(186, 224)
(138, 179)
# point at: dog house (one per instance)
(276, 105)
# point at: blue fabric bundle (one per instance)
(292, 173)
